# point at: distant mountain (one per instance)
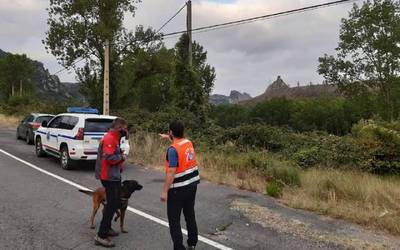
(233, 98)
(49, 86)
(280, 89)
(2, 53)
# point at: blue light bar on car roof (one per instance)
(83, 110)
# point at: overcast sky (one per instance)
(246, 58)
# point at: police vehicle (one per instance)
(74, 136)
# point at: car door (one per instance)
(21, 126)
(27, 125)
(51, 139)
(24, 125)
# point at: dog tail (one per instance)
(88, 192)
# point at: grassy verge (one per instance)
(248, 171)
(8, 121)
(362, 198)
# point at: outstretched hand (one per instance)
(164, 136)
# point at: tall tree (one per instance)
(79, 29)
(146, 79)
(368, 58)
(16, 72)
(192, 85)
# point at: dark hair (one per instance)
(177, 129)
(118, 122)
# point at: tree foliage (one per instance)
(15, 75)
(192, 85)
(368, 55)
(78, 29)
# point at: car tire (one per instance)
(17, 135)
(39, 148)
(65, 161)
(28, 139)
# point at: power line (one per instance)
(169, 20)
(254, 19)
(73, 64)
(166, 23)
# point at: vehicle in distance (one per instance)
(27, 127)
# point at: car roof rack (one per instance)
(83, 110)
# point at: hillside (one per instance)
(280, 89)
(49, 86)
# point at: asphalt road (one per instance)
(39, 211)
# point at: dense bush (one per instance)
(373, 146)
(380, 144)
(334, 115)
(256, 136)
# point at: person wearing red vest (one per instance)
(180, 187)
(108, 170)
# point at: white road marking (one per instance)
(133, 210)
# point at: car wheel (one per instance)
(17, 134)
(28, 139)
(65, 160)
(39, 148)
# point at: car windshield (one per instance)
(97, 125)
(46, 118)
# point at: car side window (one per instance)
(25, 119)
(55, 122)
(30, 118)
(73, 121)
(68, 122)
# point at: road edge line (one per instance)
(131, 209)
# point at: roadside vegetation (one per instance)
(336, 156)
(7, 121)
(352, 177)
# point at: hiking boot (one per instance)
(103, 242)
(112, 233)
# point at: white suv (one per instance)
(74, 136)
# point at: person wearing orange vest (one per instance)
(180, 187)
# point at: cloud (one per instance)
(246, 57)
(249, 57)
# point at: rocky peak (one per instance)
(278, 85)
(2, 53)
(237, 96)
(234, 97)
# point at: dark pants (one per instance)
(113, 193)
(182, 199)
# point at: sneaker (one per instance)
(103, 242)
(190, 248)
(112, 233)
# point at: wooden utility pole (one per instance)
(189, 31)
(106, 91)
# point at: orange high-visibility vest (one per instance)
(187, 171)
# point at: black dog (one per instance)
(99, 197)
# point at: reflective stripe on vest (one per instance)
(187, 171)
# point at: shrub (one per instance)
(255, 136)
(274, 189)
(308, 157)
(380, 143)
